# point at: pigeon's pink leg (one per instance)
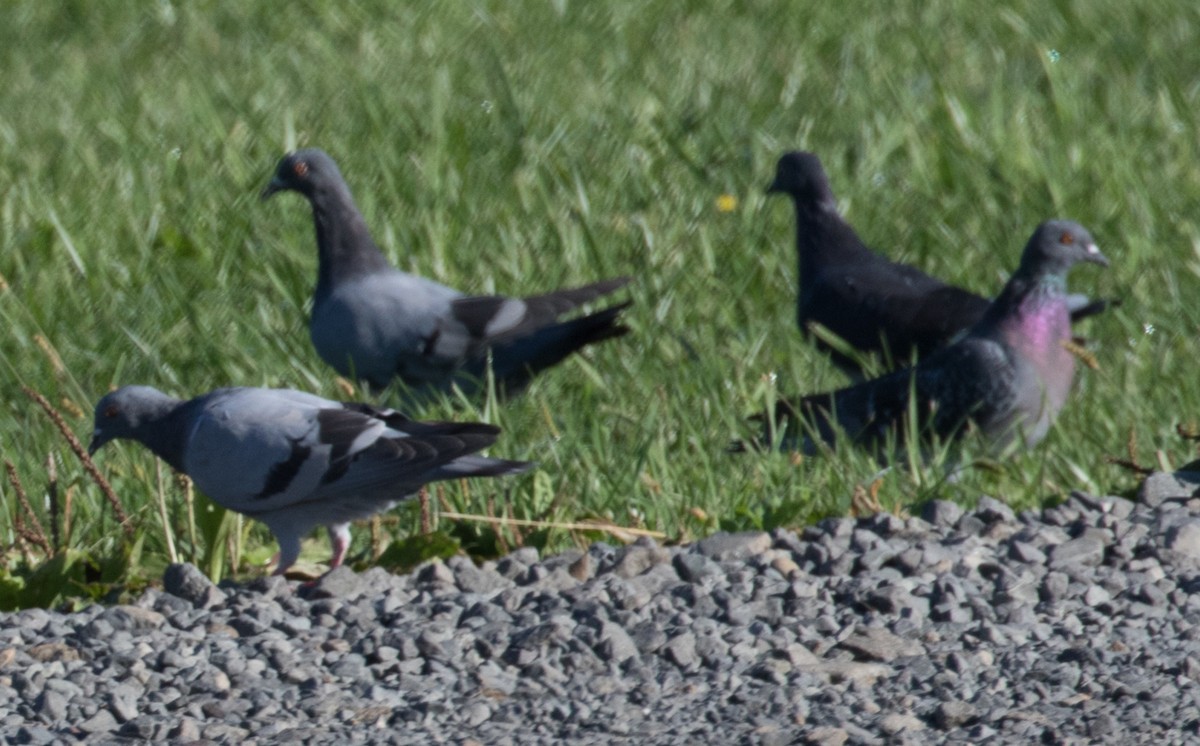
(339, 539)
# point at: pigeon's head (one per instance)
(1057, 245)
(303, 171)
(123, 413)
(802, 176)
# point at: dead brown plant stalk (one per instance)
(34, 533)
(84, 458)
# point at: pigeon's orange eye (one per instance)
(111, 411)
(1066, 239)
(300, 169)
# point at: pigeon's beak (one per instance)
(98, 439)
(274, 186)
(1093, 255)
(775, 187)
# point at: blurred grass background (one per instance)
(518, 146)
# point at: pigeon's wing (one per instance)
(931, 320)
(868, 302)
(971, 380)
(1082, 306)
(387, 324)
(263, 450)
(256, 450)
(407, 454)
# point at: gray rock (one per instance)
(990, 510)
(1054, 586)
(36, 734)
(638, 558)
(993, 635)
(1184, 539)
(1160, 487)
(436, 573)
(1025, 552)
(897, 722)
(1087, 549)
(877, 644)
(52, 706)
(737, 547)
(131, 619)
(102, 722)
(826, 736)
(615, 643)
(187, 582)
(1096, 596)
(694, 567)
(953, 714)
(941, 513)
(471, 579)
(681, 650)
(123, 701)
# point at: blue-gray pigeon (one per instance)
(1009, 375)
(373, 322)
(296, 461)
(875, 305)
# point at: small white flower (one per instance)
(1148, 328)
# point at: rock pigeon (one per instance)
(373, 322)
(1009, 375)
(296, 461)
(875, 305)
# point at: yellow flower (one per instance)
(726, 203)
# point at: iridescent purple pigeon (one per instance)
(875, 305)
(1008, 376)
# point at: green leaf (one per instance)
(404, 554)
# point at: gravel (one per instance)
(1079, 623)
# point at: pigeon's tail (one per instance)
(480, 466)
(500, 320)
(514, 364)
(559, 302)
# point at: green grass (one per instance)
(513, 147)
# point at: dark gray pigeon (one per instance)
(296, 461)
(1009, 375)
(373, 322)
(875, 305)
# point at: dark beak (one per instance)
(775, 187)
(274, 186)
(98, 439)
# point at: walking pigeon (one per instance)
(374, 322)
(296, 461)
(875, 305)
(1009, 375)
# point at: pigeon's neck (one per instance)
(823, 239)
(344, 246)
(165, 431)
(1032, 315)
